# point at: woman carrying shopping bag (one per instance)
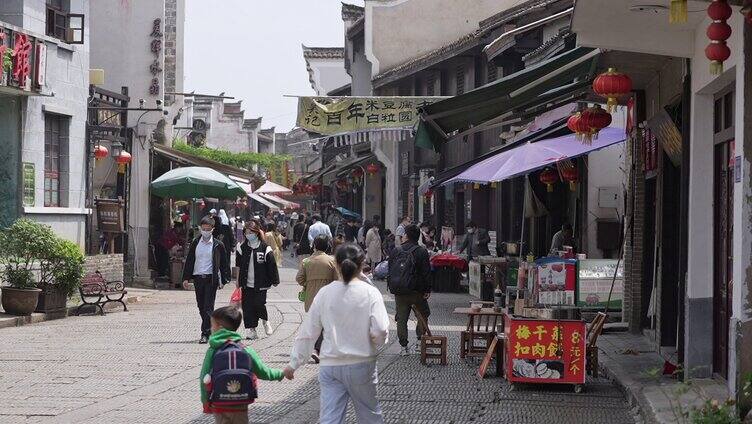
(258, 273)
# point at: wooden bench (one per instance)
(429, 343)
(98, 292)
(591, 348)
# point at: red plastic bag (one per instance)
(236, 297)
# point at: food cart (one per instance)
(545, 351)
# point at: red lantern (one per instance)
(342, 184)
(571, 175)
(357, 172)
(573, 121)
(372, 169)
(428, 194)
(549, 178)
(612, 85)
(718, 32)
(123, 159)
(100, 152)
(592, 120)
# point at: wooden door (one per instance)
(723, 210)
(723, 253)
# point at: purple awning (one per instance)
(532, 156)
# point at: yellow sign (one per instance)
(330, 115)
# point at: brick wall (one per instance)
(111, 266)
(635, 215)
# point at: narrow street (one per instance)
(141, 366)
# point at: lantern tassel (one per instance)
(121, 168)
(550, 188)
(572, 186)
(611, 104)
(716, 67)
(678, 13)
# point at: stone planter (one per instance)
(19, 301)
(51, 300)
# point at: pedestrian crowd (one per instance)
(346, 323)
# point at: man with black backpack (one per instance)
(409, 280)
(230, 369)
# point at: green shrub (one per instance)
(20, 278)
(27, 246)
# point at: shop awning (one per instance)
(270, 187)
(316, 175)
(499, 100)
(286, 204)
(354, 163)
(555, 129)
(264, 202)
(187, 159)
(529, 157)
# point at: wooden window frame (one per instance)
(58, 25)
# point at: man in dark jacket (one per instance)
(208, 267)
(420, 292)
(475, 242)
(258, 273)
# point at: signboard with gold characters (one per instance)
(339, 115)
(545, 351)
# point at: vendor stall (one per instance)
(446, 272)
(545, 351)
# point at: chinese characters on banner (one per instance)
(545, 351)
(329, 116)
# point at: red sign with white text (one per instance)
(545, 351)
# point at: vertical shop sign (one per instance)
(156, 48)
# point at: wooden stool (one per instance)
(481, 328)
(430, 343)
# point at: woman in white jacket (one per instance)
(353, 317)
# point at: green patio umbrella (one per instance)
(194, 182)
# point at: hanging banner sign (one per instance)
(330, 115)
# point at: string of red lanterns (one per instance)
(718, 32)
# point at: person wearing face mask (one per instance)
(208, 267)
(476, 241)
(258, 273)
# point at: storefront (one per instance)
(712, 288)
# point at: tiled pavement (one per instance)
(142, 366)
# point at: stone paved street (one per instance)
(141, 366)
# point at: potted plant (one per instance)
(21, 245)
(62, 268)
(21, 295)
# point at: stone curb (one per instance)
(37, 317)
(641, 408)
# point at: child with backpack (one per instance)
(230, 370)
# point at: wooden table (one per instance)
(481, 326)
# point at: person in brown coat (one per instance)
(315, 272)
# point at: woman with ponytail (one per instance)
(352, 315)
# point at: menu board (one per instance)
(545, 351)
(474, 279)
(556, 281)
(594, 278)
